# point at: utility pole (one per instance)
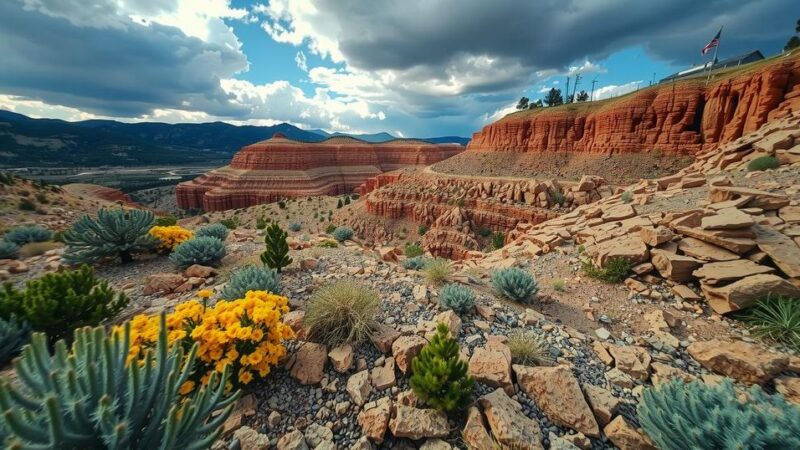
(591, 97)
(566, 94)
(575, 87)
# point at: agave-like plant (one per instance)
(93, 397)
(114, 233)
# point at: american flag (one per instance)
(714, 42)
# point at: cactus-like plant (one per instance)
(203, 250)
(457, 297)
(415, 263)
(216, 230)
(57, 303)
(678, 415)
(27, 234)
(440, 376)
(114, 233)
(91, 396)
(342, 234)
(9, 250)
(276, 256)
(14, 334)
(515, 284)
(251, 278)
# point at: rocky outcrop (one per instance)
(681, 117)
(279, 167)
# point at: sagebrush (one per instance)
(27, 234)
(515, 284)
(342, 312)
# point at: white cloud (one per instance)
(300, 60)
(614, 90)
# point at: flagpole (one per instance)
(716, 49)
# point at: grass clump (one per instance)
(344, 312)
(230, 223)
(413, 250)
(457, 297)
(166, 221)
(615, 270)
(528, 348)
(328, 243)
(37, 248)
(498, 240)
(437, 270)
(515, 284)
(763, 163)
(626, 197)
(776, 319)
(559, 285)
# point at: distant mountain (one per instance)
(28, 142)
(449, 140)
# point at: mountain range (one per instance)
(29, 142)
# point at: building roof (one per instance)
(727, 62)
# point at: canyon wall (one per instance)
(681, 117)
(279, 167)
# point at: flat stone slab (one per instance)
(716, 272)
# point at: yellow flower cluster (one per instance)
(171, 236)
(246, 334)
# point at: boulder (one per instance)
(162, 283)
(655, 236)
(742, 361)
(309, 363)
(727, 219)
(198, 271)
(672, 266)
(558, 394)
(375, 419)
(317, 435)
(705, 251)
(250, 439)
(383, 377)
(747, 291)
(475, 435)
(452, 320)
(630, 247)
(632, 360)
(292, 441)
(738, 245)
(603, 403)
(619, 212)
(383, 337)
(509, 426)
(723, 271)
(626, 437)
(789, 387)
(341, 358)
(492, 366)
(405, 349)
(359, 387)
(415, 423)
(781, 249)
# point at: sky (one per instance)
(420, 68)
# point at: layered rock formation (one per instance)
(279, 167)
(683, 117)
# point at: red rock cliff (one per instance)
(681, 117)
(279, 167)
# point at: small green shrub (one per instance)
(330, 228)
(14, 334)
(678, 415)
(251, 278)
(341, 313)
(422, 229)
(217, 230)
(626, 197)
(355, 196)
(58, 236)
(261, 223)
(581, 248)
(230, 223)
(484, 232)
(114, 233)
(9, 250)
(203, 250)
(328, 243)
(437, 270)
(498, 240)
(413, 250)
(558, 198)
(347, 200)
(528, 349)
(90, 397)
(57, 303)
(763, 163)
(776, 318)
(615, 270)
(457, 297)
(281, 204)
(339, 204)
(276, 256)
(415, 263)
(295, 226)
(342, 234)
(26, 205)
(559, 285)
(41, 197)
(440, 377)
(166, 221)
(515, 284)
(27, 234)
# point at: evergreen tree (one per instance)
(276, 256)
(347, 200)
(554, 97)
(794, 41)
(440, 377)
(582, 96)
(536, 104)
(523, 103)
(339, 205)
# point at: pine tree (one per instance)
(276, 256)
(339, 205)
(440, 377)
(523, 103)
(554, 97)
(347, 200)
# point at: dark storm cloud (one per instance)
(551, 34)
(113, 67)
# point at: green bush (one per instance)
(421, 230)
(328, 243)
(114, 233)
(166, 221)
(251, 278)
(330, 228)
(261, 223)
(457, 297)
(626, 197)
(440, 377)
(678, 415)
(276, 256)
(341, 313)
(763, 163)
(9, 250)
(615, 270)
(203, 250)
(216, 230)
(498, 240)
(14, 334)
(281, 204)
(558, 198)
(342, 234)
(484, 231)
(339, 204)
(27, 234)
(776, 318)
(26, 205)
(528, 349)
(413, 250)
(230, 223)
(89, 396)
(415, 263)
(437, 270)
(559, 285)
(515, 284)
(57, 303)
